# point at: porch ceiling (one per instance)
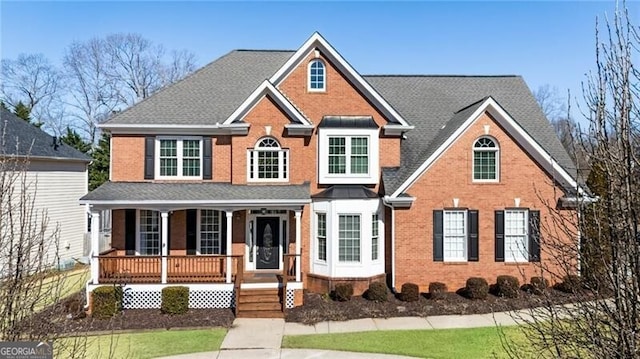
(193, 194)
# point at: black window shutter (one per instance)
(472, 240)
(192, 230)
(438, 250)
(223, 235)
(149, 156)
(206, 158)
(499, 225)
(534, 236)
(130, 231)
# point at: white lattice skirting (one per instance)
(140, 298)
(289, 300)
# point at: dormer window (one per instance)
(485, 160)
(317, 76)
(268, 162)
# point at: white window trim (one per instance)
(324, 81)
(341, 262)
(317, 238)
(348, 178)
(138, 238)
(465, 258)
(179, 151)
(199, 231)
(281, 172)
(474, 150)
(378, 240)
(523, 253)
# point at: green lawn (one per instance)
(61, 285)
(448, 343)
(150, 344)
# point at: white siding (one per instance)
(60, 185)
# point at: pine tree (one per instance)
(21, 110)
(24, 112)
(3, 106)
(73, 139)
(99, 168)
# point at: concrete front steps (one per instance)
(260, 303)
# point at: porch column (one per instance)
(229, 251)
(95, 246)
(164, 250)
(298, 249)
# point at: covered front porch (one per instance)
(175, 240)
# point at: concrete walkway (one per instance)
(262, 338)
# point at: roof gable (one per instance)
(316, 41)
(266, 88)
(459, 123)
(22, 139)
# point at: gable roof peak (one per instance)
(317, 41)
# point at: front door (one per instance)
(268, 243)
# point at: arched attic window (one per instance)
(268, 162)
(486, 160)
(317, 76)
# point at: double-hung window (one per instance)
(210, 232)
(321, 221)
(516, 236)
(375, 227)
(455, 236)
(349, 238)
(485, 160)
(179, 158)
(268, 162)
(348, 155)
(149, 232)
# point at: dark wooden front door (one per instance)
(268, 243)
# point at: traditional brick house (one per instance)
(287, 170)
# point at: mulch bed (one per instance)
(67, 317)
(318, 308)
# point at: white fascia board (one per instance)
(295, 129)
(170, 129)
(396, 129)
(243, 203)
(316, 40)
(511, 126)
(265, 88)
(399, 202)
(46, 158)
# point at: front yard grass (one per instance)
(150, 344)
(446, 343)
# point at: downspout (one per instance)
(393, 245)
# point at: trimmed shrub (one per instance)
(437, 290)
(107, 301)
(507, 286)
(539, 285)
(476, 288)
(410, 292)
(343, 292)
(570, 284)
(175, 300)
(377, 292)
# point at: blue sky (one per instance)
(546, 42)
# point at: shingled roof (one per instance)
(192, 193)
(20, 138)
(435, 105)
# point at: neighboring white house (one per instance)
(56, 176)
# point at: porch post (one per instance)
(298, 249)
(95, 246)
(229, 225)
(164, 251)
